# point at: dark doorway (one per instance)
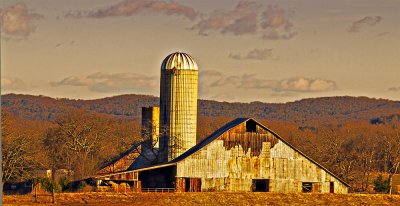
(187, 184)
(260, 185)
(192, 184)
(251, 126)
(332, 187)
(307, 187)
(163, 177)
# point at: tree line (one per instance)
(357, 141)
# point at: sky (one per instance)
(268, 51)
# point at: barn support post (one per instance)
(180, 184)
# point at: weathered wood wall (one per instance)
(235, 158)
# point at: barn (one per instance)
(242, 156)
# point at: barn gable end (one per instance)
(244, 155)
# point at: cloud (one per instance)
(382, 34)
(394, 89)
(247, 19)
(276, 24)
(274, 17)
(302, 84)
(14, 84)
(256, 54)
(241, 20)
(275, 35)
(61, 44)
(71, 81)
(133, 7)
(364, 22)
(224, 81)
(16, 20)
(209, 73)
(246, 81)
(250, 81)
(106, 83)
(298, 84)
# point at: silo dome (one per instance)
(179, 60)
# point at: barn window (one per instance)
(307, 187)
(260, 185)
(332, 187)
(251, 126)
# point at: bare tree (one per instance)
(366, 158)
(76, 141)
(18, 161)
(149, 148)
(338, 153)
(19, 152)
(395, 158)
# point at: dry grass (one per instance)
(206, 198)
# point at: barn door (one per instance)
(260, 185)
(192, 184)
(332, 187)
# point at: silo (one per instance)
(150, 126)
(178, 104)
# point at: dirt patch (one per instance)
(206, 198)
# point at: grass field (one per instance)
(206, 198)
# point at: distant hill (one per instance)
(306, 111)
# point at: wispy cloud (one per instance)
(248, 18)
(205, 77)
(394, 89)
(276, 35)
(290, 85)
(61, 44)
(303, 84)
(276, 24)
(382, 34)
(72, 81)
(364, 22)
(14, 85)
(17, 20)
(241, 20)
(134, 7)
(106, 82)
(256, 54)
(208, 73)
(251, 81)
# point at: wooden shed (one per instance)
(395, 184)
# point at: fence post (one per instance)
(35, 193)
(53, 196)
